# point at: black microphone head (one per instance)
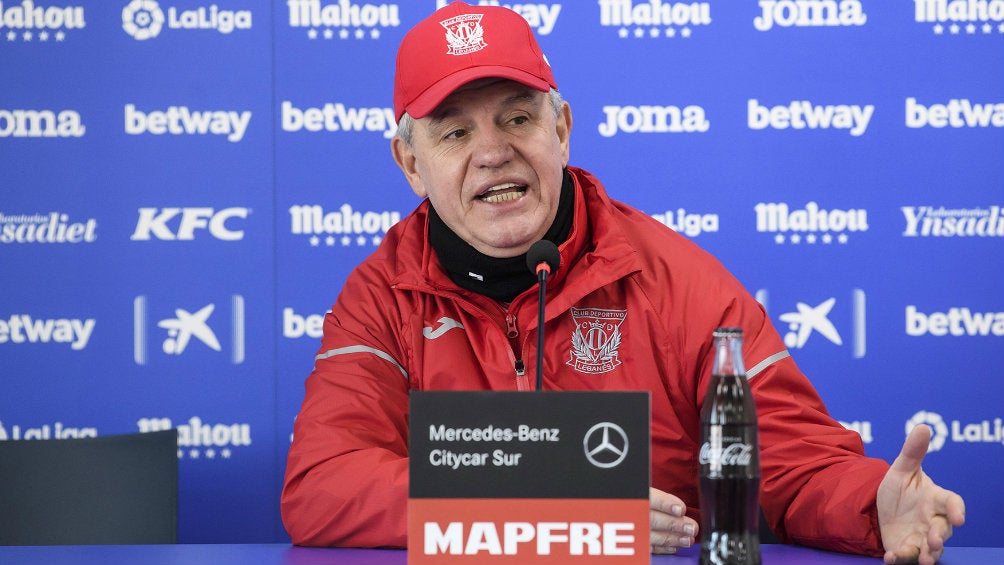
(545, 252)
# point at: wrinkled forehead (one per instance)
(492, 90)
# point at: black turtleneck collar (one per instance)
(500, 279)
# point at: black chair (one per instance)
(120, 489)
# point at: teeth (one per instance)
(503, 193)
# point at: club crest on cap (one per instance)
(464, 34)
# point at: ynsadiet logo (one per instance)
(655, 18)
(596, 340)
(54, 227)
(810, 225)
(144, 19)
(29, 22)
(342, 228)
(188, 328)
(806, 321)
(929, 221)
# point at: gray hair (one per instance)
(406, 124)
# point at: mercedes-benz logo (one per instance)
(606, 445)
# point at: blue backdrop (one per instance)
(180, 165)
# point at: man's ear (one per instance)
(404, 156)
(563, 126)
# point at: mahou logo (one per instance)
(961, 17)
(343, 19)
(655, 18)
(201, 440)
(809, 225)
(30, 22)
(144, 19)
(344, 227)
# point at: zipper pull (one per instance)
(512, 332)
(520, 368)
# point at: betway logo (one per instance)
(296, 326)
(180, 120)
(691, 225)
(30, 18)
(927, 221)
(809, 13)
(956, 322)
(653, 119)
(51, 228)
(957, 113)
(541, 17)
(802, 114)
(159, 223)
(22, 328)
(40, 123)
(338, 117)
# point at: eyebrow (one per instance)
(441, 114)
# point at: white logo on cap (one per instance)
(464, 34)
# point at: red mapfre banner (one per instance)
(556, 531)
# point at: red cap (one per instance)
(460, 43)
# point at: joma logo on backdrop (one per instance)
(187, 328)
(54, 227)
(338, 117)
(366, 18)
(986, 431)
(653, 119)
(40, 123)
(809, 13)
(970, 16)
(344, 227)
(144, 19)
(198, 439)
(928, 221)
(677, 19)
(808, 320)
(30, 22)
(810, 225)
(180, 224)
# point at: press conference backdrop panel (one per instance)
(186, 184)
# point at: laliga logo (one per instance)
(937, 425)
(606, 445)
(142, 19)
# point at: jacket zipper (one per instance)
(512, 333)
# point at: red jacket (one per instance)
(653, 298)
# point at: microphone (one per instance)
(542, 259)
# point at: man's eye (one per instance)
(456, 134)
(520, 120)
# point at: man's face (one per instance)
(490, 160)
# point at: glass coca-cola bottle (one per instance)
(729, 459)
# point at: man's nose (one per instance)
(492, 148)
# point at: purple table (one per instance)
(282, 554)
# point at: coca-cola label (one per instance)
(736, 454)
(729, 450)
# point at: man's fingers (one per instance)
(914, 450)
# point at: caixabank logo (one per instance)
(654, 19)
(165, 329)
(32, 22)
(837, 320)
(145, 19)
(344, 227)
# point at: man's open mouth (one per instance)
(503, 193)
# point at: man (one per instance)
(446, 302)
